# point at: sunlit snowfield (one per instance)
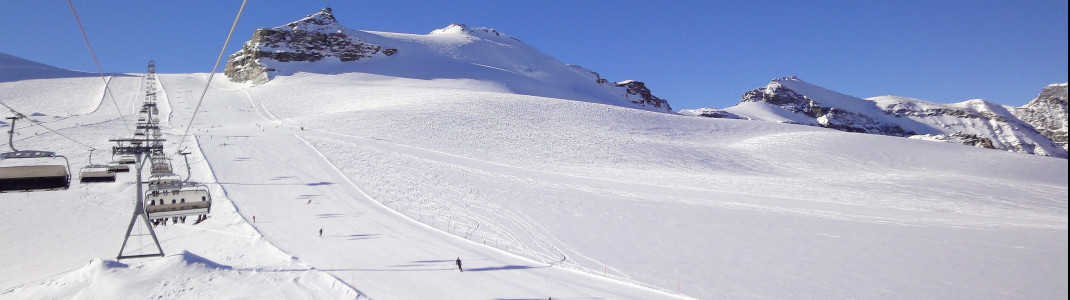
(540, 197)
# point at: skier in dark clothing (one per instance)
(321, 231)
(459, 265)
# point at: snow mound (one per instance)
(181, 276)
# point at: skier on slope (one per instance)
(459, 265)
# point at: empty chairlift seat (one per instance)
(96, 173)
(116, 167)
(33, 171)
(127, 160)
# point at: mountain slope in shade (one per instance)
(492, 59)
(17, 68)
(973, 122)
(45, 93)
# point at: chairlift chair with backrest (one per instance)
(177, 200)
(120, 165)
(92, 173)
(31, 170)
(127, 159)
(116, 167)
(160, 166)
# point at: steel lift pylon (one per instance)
(140, 149)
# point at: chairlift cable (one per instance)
(35, 122)
(212, 75)
(107, 89)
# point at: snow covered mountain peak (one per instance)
(309, 39)
(482, 32)
(495, 61)
(322, 21)
(1032, 129)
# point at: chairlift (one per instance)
(116, 167)
(96, 173)
(127, 159)
(31, 170)
(177, 200)
(25, 176)
(160, 166)
(158, 181)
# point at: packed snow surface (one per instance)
(539, 197)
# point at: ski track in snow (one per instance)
(240, 187)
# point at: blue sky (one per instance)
(694, 53)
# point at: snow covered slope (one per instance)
(16, 68)
(319, 44)
(541, 197)
(47, 92)
(973, 122)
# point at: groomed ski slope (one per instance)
(409, 260)
(406, 175)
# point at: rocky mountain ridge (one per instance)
(1037, 128)
(456, 51)
(310, 39)
(1047, 113)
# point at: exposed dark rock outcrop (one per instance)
(1039, 127)
(638, 93)
(829, 117)
(1047, 113)
(310, 39)
(634, 91)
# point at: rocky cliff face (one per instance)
(455, 52)
(636, 92)
(1047, 113)
(825, 115)
(310, 39)
(1037, 128)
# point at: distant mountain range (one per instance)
(498, 62)
(1039, 127)
(454, 52)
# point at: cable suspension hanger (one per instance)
(35, 122)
